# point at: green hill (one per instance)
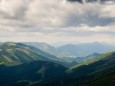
(17, 53)
(99, 72)
(92, 60)
(18, 67)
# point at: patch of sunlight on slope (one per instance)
(1, 63)
(7, 59)
(28, 52)
(9, 62)
(11, 44)
(24, 50)
(11, 52)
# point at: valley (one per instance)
(57, 43)
(25, 65)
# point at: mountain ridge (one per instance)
(16, 53)
(85, 49)
(89, 75)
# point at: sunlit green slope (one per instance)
(17, 53)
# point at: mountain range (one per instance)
(85, 49)
(98, 72)
(73, 50)
(25, 65)
(49, 49)
(16, 53)
(12, 54)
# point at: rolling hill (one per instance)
(99, 72)
(23, 65)
(17, 53)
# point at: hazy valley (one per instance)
(25, 65)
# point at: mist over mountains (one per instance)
(49, 49)
(74, 50)
(87, 48)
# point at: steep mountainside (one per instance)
(17, 53)
(96, 64)
(99, 72)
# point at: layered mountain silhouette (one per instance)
(73, 50)
(85, 49)
(50, 49)
(23, 65)
(98, 72)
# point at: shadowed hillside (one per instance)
(100, 72)
(29, 73)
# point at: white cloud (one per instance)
(108, 11)
(24, 18)
(13, 7)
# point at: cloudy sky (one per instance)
(56, 21)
